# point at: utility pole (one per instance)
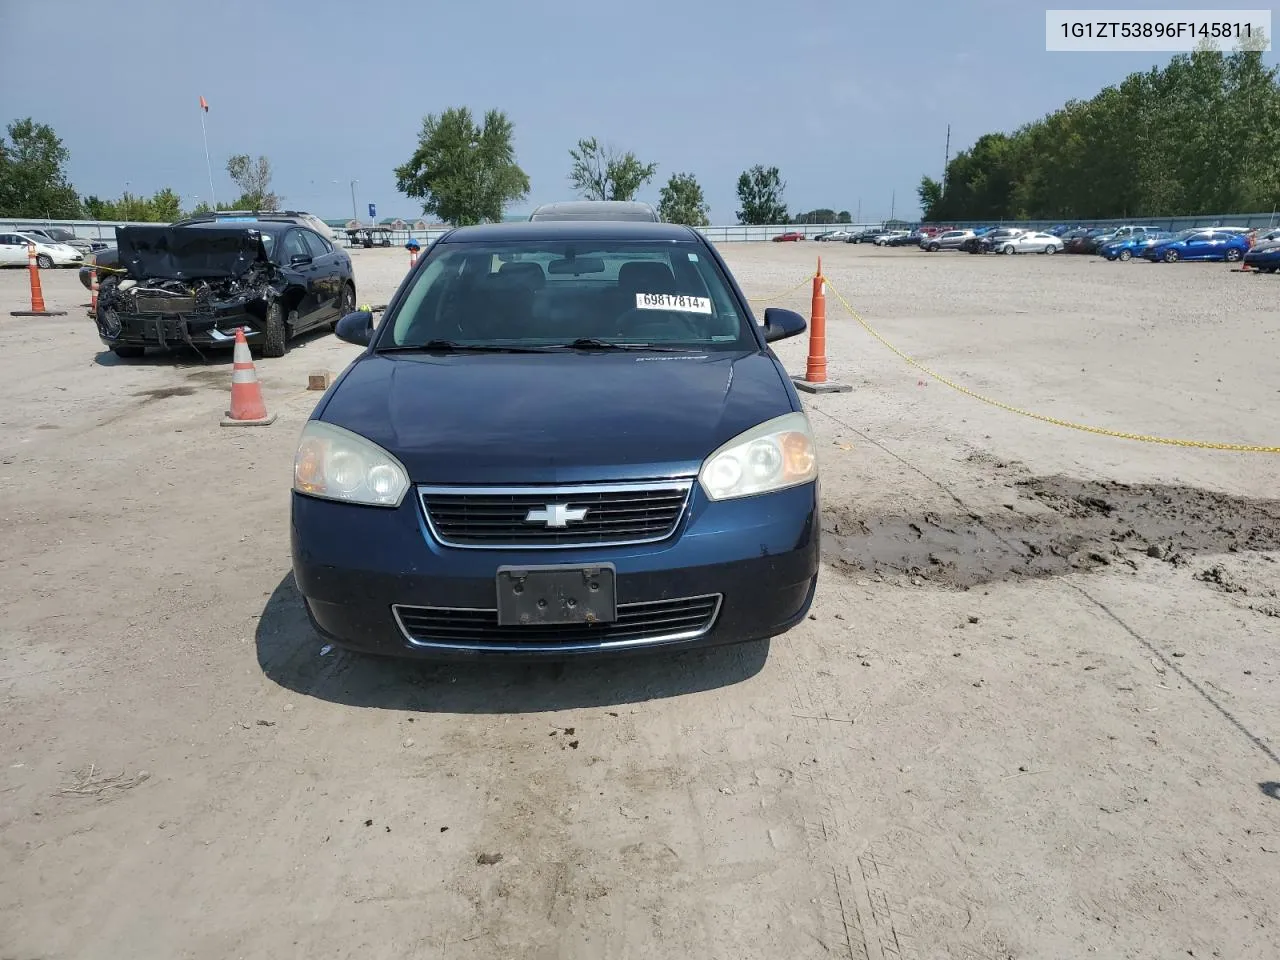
(858, 218)
(892, 202)
(946, 160)
(355, 214)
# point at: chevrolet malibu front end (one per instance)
(563, 439)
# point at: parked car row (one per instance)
(1260, 249)
(15, 251)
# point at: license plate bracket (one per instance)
(556, 594)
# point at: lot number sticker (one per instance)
(671, 301)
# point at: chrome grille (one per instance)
(471, 628)
(590, 514)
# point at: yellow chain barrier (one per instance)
(784, 293)
(1043, 418)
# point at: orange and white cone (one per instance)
(38, 309)
(248, 409)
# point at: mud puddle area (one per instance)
(1056, 525)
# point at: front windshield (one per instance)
(552, 292)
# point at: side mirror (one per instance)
(355, 328)
(300, 258)
(779, 324)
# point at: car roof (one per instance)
(595, 210)
(571, 230)
(262, 226)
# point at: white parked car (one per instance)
(1030, 242)
(884, 238)
(13, 252)
(835, 235)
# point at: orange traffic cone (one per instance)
(247, 406)
(815, 375)
(37, 294)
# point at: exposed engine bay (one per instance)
(186, 285)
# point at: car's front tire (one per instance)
(1008, 250)
(44, 261)
(275, 334)
(1050, 249)
(1233, 255)
(1125, 255)
(932, 248)
(1171, 256)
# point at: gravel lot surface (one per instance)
(1035, 713)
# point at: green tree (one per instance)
(682, 201)
(33, 178)
(253, 177)
(601, 173)
(166, 205)
(844, 217)
(760, 192)
(463, 173)
(1197, 136)
(930, 194)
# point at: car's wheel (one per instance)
(44, 261)
(128, 352)
(1125, 255)
(1233, 255)
(1171, 256)
(1051, 249)
(275, 334)
(1008, 249)
(932, 248)
(346, 302)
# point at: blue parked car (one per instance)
(1126, 247)
(564, 438)
(1264, 255)
(1200, 243)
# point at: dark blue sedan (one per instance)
(1200, 243)
(563, 438)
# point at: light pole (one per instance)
(128, 205)
(355, 213)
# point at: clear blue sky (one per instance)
(849, 99)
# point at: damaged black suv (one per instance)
(193, 284)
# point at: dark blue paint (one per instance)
(569, 417)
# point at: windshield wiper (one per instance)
(450, 346)
(593, 343)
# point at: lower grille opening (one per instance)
(650, 621)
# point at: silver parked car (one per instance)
(947, 240)
(1030, 242)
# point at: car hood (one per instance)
(1265, 246)
(550, 418)
(179, 253)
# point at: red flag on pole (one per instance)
(204, 105)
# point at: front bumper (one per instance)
(757, 558)
(209, 329)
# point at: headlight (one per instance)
(777, 454)
(337, 464)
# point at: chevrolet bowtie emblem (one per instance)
(555, 514)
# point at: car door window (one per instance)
(315, 243)
(295, 246)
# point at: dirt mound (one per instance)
(1087, 524)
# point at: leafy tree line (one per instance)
(466, 172)
(34, 184)
(463, 172)
(1197, 137)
